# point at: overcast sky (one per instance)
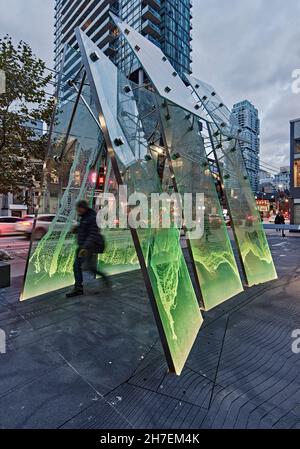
(246, 48)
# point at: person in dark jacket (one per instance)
(278, 221)
(90, 243)
(282, 222)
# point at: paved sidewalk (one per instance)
(96, 361)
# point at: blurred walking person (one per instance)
(90, 243)
(278, 221)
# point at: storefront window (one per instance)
(297, 214)
(297, 174)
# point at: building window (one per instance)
(297, 174)
(297, 146)
(297, 214)
(297, 130)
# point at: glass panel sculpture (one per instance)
(165, 272)
(215, 266)
(67, 178)
(250, 236)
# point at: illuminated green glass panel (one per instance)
(215, 264)
(167, 270)
(120, 255)
(248, 228)
(50, 265)
(250, 237)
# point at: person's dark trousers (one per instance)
(90, 262)
(77, 268)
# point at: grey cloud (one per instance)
(30, 21)
(248, 49)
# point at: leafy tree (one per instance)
(24, 103)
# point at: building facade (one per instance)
(245, 116)
(266, 182)
(295, 171)
(283, 179)
(166, 23)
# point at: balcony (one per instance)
(109, 36)
(110, 49)
(150, 28)
(154, 41)
(107, 25)
(156, 4)
(149, 13)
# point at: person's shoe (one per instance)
(75, 292)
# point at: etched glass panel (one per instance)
(67, 178)
(214, 261)
(170, 280)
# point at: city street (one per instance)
(17, 247)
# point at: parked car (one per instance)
(25, 226)
(8, 225)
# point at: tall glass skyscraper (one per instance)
(245, 116)
(167, 23)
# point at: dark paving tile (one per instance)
(189, 387)
(19, 368)
(150, 410)
(110, 363)
(205, 355)
(101, 415)
(46, 402)
(232, 410)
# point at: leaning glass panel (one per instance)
(247, 224)
(250, 237)
(67, 178)
(170, 280)
(216, 269)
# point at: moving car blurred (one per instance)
(8, 225)
(25, 225)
